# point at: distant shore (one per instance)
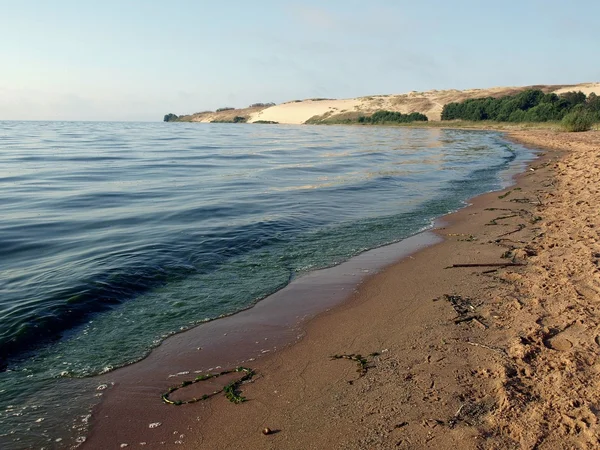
(463, 357)
(429, 103)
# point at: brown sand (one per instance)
(522, 373)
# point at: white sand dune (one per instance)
(300, 112)
(586, 88)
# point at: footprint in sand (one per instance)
(559, 343)
(586, 291)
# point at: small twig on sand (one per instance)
(540, 203)
(519, 228)
(462, 305)
(497, 241)
(456, 417)
(475, 319)
(497, 350)
(505, 264)
(480, 323)
(463, 319)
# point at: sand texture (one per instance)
(477, 357)
(429, 103)
(550, 390)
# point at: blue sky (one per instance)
(138, 60)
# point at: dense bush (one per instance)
(261, 105)
(384, 116)
(226, 108)
(593, 105)
(170, 117)
(579, 120)
(531, 105)
(236, 119)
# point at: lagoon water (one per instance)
(115, 235)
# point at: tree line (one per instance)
(383, 116)
(170, 117)
(531, 105)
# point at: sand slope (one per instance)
(429, 103)
(550, 389)
(300, 112)
(586, 88)
(210, 116)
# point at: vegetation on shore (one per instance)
(261, 105)
(225, 114)
(579, 121)
(381, 117)
(170, 117)
(499, 108)
(576, 111)
(235, 119)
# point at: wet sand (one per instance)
(511, 364)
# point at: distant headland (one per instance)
(538, 103)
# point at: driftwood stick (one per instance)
(519, 228)
(497, 350)
(497, 241)
(480, 323)
(475, 319)
(463, 319)
(506, 264)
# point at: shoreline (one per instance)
(280, 332)
(250, 417)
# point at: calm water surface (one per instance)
(115, 235)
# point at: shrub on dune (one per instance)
(578, 121)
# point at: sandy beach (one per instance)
(501, 353)
(300, 226)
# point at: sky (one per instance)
(137, 60)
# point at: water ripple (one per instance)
(115, 235)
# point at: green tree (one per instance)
(531, 105)
(593, 105)
(574, 98)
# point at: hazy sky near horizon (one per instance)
(141, 59)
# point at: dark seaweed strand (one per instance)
(363, 363)
(231, 390)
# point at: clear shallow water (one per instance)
(115, 235)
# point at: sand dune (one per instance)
(429, 103)
(300, 112)
(586, 88)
